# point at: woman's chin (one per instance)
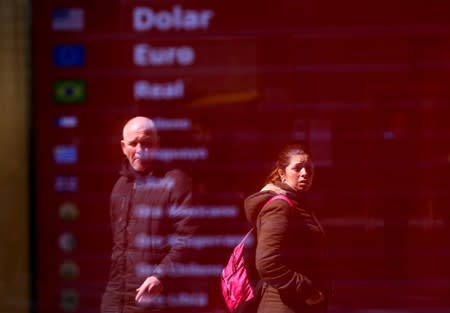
(303, 188)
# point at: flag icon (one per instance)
(69, 300)
(67, 242)
(71, 19)
(69, 91)
(65, 154)
(68, 55)
(66, 121)
(68, 211)
(69, 270)
(66, 183)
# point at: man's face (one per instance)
(137, 146)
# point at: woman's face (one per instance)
(299, 173)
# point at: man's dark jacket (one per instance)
(150, 231)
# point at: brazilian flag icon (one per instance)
(69, 91)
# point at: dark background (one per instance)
(364, 84)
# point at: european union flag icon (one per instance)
(68, 55)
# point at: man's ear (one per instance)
(123, 145)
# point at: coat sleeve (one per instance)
(272, 229)
(182, 224)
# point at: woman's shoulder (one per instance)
(278, 204)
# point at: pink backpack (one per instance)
(240, 279)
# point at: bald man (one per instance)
(142, 255)
(140, 138)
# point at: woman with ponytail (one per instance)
(291, 252)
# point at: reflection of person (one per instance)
(291, 252)
(147, 240)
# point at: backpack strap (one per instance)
(276, 197)
(279, 197)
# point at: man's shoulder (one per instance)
(180, 181)
(120, 184)
(176, 173)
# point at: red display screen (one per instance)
(228, 84)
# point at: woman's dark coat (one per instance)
(291, 253)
